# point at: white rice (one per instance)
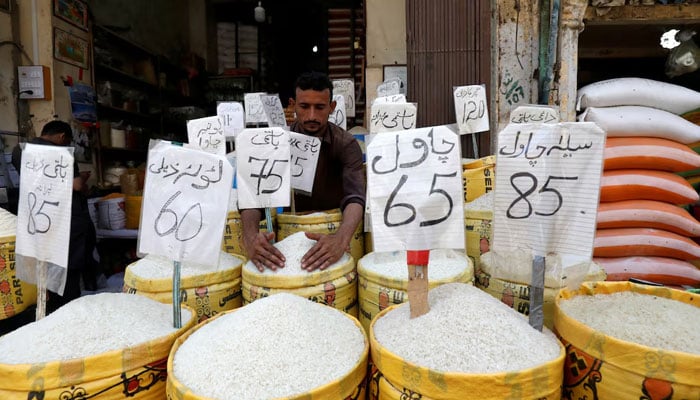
(467, 331)
(90, 325)
(294, 247)
(481, 203)
(159, 267)
(639, 318)
(278, 346)
(443, 264)
(8, 223)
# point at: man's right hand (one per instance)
(262, 253)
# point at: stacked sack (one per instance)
(642, 231)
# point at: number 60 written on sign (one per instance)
(185, 227)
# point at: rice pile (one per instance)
(89, 325)
(278, 346)
(443, 264)
(639, 318)
(465, 331)
(294, 247)
(483, 202)
(8, 223)
(159, 267)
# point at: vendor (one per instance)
(339, 182)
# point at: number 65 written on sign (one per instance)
(433, 190)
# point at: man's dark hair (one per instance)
(313, 80)
(57, 127)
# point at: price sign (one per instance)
(338, 115)
(470, 109)
(415, 190)
(304, 151)
(274, 113)
(254, 111)
(397, 98)
(263, 168)
(346, 88)
(547, 187)
(392, 117)
(389, 87)
(207, 134)
(232, 116)
(185, 201)
(44, 207)
(534, 113)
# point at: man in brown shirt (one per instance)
(339, 181)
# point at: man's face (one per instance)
(313, 108)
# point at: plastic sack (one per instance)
(684, 58)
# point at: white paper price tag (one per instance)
(254, 111)
(44, 207)
(304, 152)
(232, 116)
(263, 168)
(338, 115)
(346, 88)
(534, 113)
(207, 134)
(274, 113)
(415, 190)
(389, 87)
(470, 109)
(185, 202)
(547, 188)
(397, 98)
(392, 117)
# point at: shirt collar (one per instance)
(325, 136)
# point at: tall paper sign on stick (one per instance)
(262, 168)
(415, 190)
(232, 116)
(254, 111)
(392, 117)
(338, 115)
(44, 213)
(304, 150)
(207, 134)
(346, 88)
(274, 113)
(547, 188)
(470, 109)
(185, 203)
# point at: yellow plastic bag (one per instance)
(233, 232)
(538, 383)
(478, 177)
(600, 366)
(349, 387)
(15, 295)
(477, 233)
(325, 222)
(137, 372)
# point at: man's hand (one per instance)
(327, 250)
(262, 253)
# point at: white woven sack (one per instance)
(624, 121)
(638, 92)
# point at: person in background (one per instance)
(339, 181)
(82, 232)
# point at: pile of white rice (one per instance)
(90, 325)
(639, 318)
(482, 203)
(8, 223)
(443, 264)
(278, 346)
(465, 331)
(294, 247)
(159, 267)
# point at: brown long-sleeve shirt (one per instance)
(340, 179)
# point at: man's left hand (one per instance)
(327, 250)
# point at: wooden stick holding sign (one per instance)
(263, 170)
(415, 192)
(44, 219)
(185, 202)
(546, 198)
